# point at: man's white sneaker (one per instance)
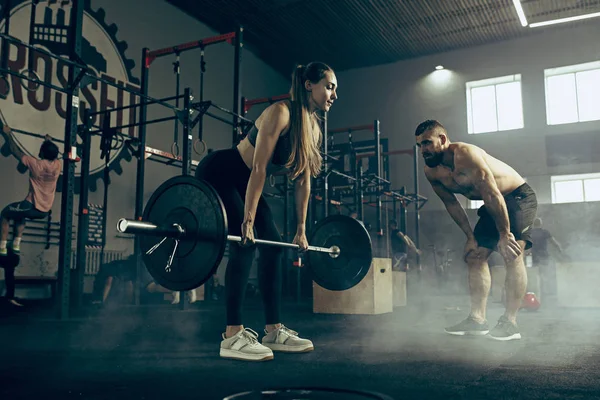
(245, 346)
(286, 340)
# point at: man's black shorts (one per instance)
(21, 210)
(521, 204)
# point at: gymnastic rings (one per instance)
(272, 180)
(195, 146)
(30, 86)
(4, 87)
(175, 149)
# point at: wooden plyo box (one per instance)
(373, 295)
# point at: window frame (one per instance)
(487, 83)
(567, 70)
(571, 178)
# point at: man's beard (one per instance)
(434, 161)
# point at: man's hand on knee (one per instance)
(508, 247)
(470, 247)
(478, 256)
(520, 259)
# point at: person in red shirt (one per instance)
(43, 176)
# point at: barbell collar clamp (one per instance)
(125, 225)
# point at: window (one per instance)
(575, 188)
(571, 93)
(474, 204)
(495, 104)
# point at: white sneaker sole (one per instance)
(516, 336)
(289, 349)
(15, 303)
(468, 333)
(238, 355)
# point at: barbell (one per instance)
(176, 231)
(190, 220)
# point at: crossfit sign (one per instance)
(41, 110)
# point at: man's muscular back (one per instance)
(470, 167)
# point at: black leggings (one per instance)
(228, 174)
(9, 282)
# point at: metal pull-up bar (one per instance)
(148, 56)
(374, 129)
(154, 54)
(150, 151)
(248, 104)
(203, 106)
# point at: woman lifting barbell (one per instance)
(285, 136)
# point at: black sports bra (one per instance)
(283, 148)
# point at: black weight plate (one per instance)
(356, 254)
(196, 206)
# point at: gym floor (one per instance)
(157, 352)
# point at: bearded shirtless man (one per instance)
(504, 225)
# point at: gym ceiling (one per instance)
(360, 33)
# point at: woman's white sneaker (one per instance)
(244, 345)
(286, 340)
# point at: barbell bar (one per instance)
(176, 231)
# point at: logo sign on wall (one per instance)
(40, 110)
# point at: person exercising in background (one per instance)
(43, 175)
(123, 270)
(285, 136)
(505, 220)
(541, 237)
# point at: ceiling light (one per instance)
(520, 12)
(562, 20)
(439, 67)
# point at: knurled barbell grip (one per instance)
(330, 250)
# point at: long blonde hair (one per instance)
(305, 147)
